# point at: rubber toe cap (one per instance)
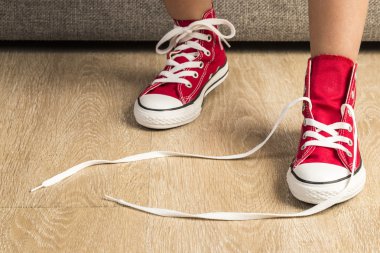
(159, 102)
(320, 173)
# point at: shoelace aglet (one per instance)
(109, 198)
(227, 44)
(37, 188)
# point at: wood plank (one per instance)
(118, 229)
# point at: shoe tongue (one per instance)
(208, 14)
(329, 81)
(183, 23)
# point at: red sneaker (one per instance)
(196, 64)
(325, 157)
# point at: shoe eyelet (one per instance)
(207, 53)
(201, 65)
(195, 75)
(189, 86)
(209, 38)
(350, 129)
(349, 154)
(304, 136)
(303, 147)
(349, 143)
(304, 122)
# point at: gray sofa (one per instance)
(124, 20)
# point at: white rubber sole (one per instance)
(177, 117)
(316, 193)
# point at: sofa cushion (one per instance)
(122, 20)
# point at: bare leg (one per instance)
(187, 9)
(336, 26)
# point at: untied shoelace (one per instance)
(230, 216)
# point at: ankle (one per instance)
(187, 10)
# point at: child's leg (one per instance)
(336, 26)
(187, 9)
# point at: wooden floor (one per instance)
(60, 107)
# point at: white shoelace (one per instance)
(182, 36)
(228, 215)
(331, 141)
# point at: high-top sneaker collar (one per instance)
(208, 14)
(329, 81)
(184, 23)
